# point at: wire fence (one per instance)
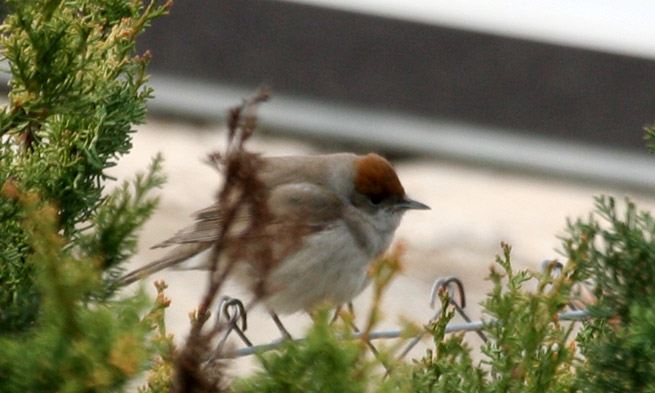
(232, 313)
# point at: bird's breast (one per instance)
(329, 265)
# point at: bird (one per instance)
(330, 216)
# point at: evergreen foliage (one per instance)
(528, 349)
(74, 345)
(322, 363)
(615, 252)
(160, 374)
(77, 90)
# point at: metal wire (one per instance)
(233, 311)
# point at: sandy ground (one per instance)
(473, 210)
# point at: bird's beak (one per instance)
(408, 204)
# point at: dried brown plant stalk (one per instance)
(243, 193)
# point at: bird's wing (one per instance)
(304, 204)
(295, 210)
(300, 204)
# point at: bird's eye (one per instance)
(375, 199)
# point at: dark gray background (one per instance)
(526, 87)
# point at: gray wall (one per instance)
(420, 69)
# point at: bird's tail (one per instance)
(175, 257)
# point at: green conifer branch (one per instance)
(77, 90)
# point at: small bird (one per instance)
(331, 216)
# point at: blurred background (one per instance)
(506, 117)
